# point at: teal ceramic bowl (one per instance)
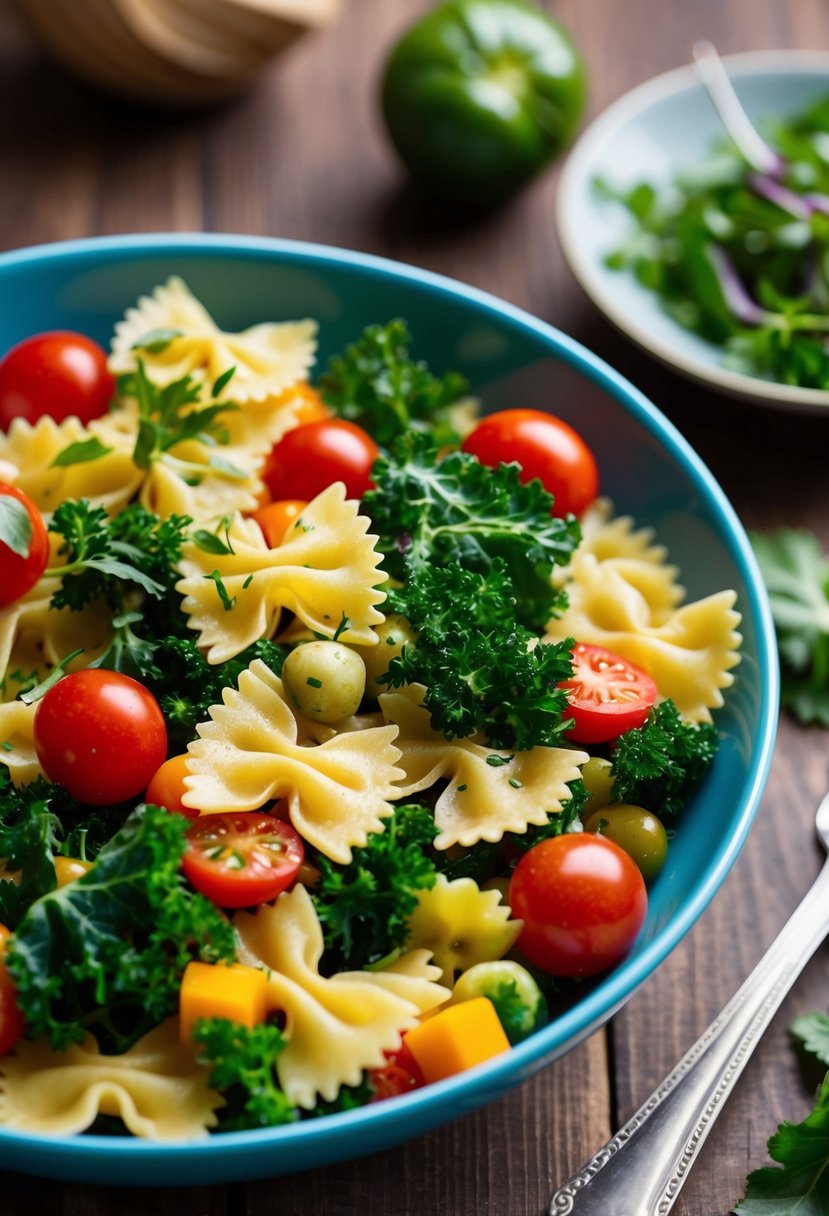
(646, 467)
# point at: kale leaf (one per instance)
(243, 1067)
(658, 764)
(377, 384)
(796, 573)
(800, 1181)
(106, 952)
(482, 671)
(364, 906)
(186, 685)
(439, 511)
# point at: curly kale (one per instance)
(106, 953)
(482, 671)
(448, 511)
(186, 685)
(657, 765)
(243, 1067)
(377, 384)
(365, 905)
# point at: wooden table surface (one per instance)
(304, 156)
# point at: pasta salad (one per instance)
(341, 730)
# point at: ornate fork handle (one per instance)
(640, 1171)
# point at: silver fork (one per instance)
(640, 1171)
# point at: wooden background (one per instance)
(304, 156)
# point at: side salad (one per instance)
(738, 254)
(311, 791)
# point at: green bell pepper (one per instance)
(479, 95)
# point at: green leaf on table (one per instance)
(15, 525)
(812, 1029)
(799, 1184)
(796, 573)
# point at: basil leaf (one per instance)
(15, 526)
(156, 340)
(81, 453)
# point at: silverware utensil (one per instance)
(641, 1170)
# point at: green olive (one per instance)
(598, 780)
(635, 830)
(325, 680)
(393, 634)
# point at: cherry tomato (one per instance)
(582, 900)
(309, 458)
(18, 573)
(55, 374)
(276, 518)
(68, 869)
(11, 1019)
(606, 695)
(400, 1074)
(311, 406)
(167, 787)
(546, 448)
(101, 735)
(239, 859)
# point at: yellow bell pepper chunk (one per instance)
(235, 992)
(457, 1038)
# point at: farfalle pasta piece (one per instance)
(34, 637)
(633, 553)
(335, 1027)
(249, 752)
(326, 569)
(156, 1087)
(461, 925)
(267, 358)
(17, 744)
(690, 654)
(481, 800)
(28, 451)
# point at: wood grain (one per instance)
(303, 155)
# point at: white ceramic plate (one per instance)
(651, 134)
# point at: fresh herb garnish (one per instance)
(243, 1066)
(660, 763)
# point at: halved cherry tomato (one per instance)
(101, 735)
(582, 900)
(606, 695)
(400, 1074)
(167, 787)
(55, 374)
(308, 459)
(546, 448)
(241, 859)
(11, 1019)
(20, 571)
(276, 518)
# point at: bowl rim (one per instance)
(475, 1086)
(574, 180)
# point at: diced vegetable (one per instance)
(517, 998)
(237, 993)
(457, 1038)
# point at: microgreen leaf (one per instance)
(81, 453)
(155, 341)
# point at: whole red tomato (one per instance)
(546, 448)
(606, 695)
(583, 902)
(55, 374)
(101, 735)
(309, 458)
(239, 859)
(22, 559)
